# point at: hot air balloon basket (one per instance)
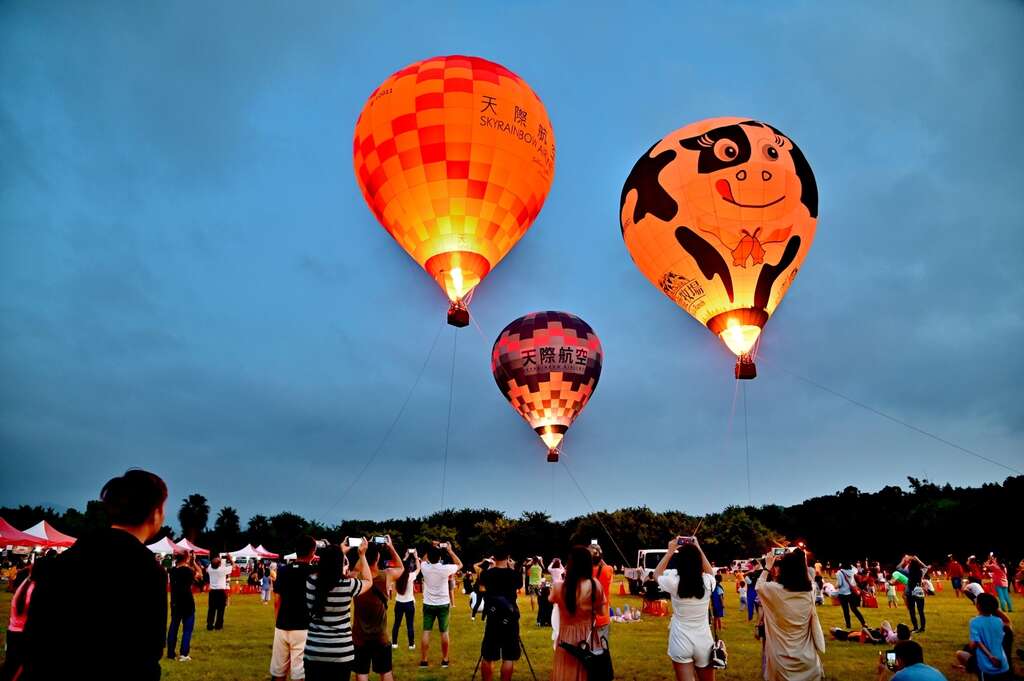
(458, 315)
(745, 368)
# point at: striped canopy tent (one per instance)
(264, 553)
(164, 545)
(186, 545)
(12, 536)
(48, 536)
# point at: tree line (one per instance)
(922, 518)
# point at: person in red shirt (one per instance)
(603, 573)
(955, 571)
(1001, 582)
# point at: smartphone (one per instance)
(442, 545)
(355, 542)
(380, 540)
(890, 660)
(779, 550)
(686, 540)
(593, 542)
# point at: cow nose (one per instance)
(741, 175)
(765, 175)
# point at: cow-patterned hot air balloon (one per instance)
(719, 215)
(455, 156)
(547, 365)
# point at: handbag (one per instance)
(597, 662)
(852, 581)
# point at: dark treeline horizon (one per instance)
(924, 518)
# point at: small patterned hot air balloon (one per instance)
(720, 215)
(455, 156)
(547, 365)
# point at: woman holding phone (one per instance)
(793, 640)
(690, 585)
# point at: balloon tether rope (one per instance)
(448, 427)
(592, 509)
(390, 429)
(899, 421)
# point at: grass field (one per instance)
(242, 650)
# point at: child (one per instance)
(718, 603)
(890, 591)
(985, 653)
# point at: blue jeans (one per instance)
(408, 611)
(1003, 592)
(187, 621)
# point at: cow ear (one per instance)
(691, 143)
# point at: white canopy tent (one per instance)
(245, 552)
(164, 545)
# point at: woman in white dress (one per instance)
(690, 585)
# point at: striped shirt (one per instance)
(330, 633)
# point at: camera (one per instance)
(890, 660)
(779, 551)
(686, 540)
(443, 545)
(354, 542)
(593, 542)
(321, 543)
(380, 540)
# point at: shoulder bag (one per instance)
(596, 660)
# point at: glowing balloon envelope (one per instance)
(455, 156)
(547, 365)
(720, 215)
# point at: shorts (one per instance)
(286, 658)
(374, 654)
(436, 612)
(501, 640)
(719, 611)
(957, 583)
(690, 645)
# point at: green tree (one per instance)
(193, 515)
(227, 530)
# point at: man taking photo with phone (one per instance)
(907, 660)
(436, 599)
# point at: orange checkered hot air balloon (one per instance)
(547, 365)
(455, 156)
(720, 215)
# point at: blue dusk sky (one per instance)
(191, 282)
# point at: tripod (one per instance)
(522, 646)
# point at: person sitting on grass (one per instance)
(910, 664)
(985, 654)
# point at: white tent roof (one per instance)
(245, 552)
(292, 556)
(264, 553)
(165, 545)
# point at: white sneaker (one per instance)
(412, 647)
(184, 658)
(394, 645)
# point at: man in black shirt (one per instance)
(104, 605)
(501, 635)
(184, 575)
(292, 617)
